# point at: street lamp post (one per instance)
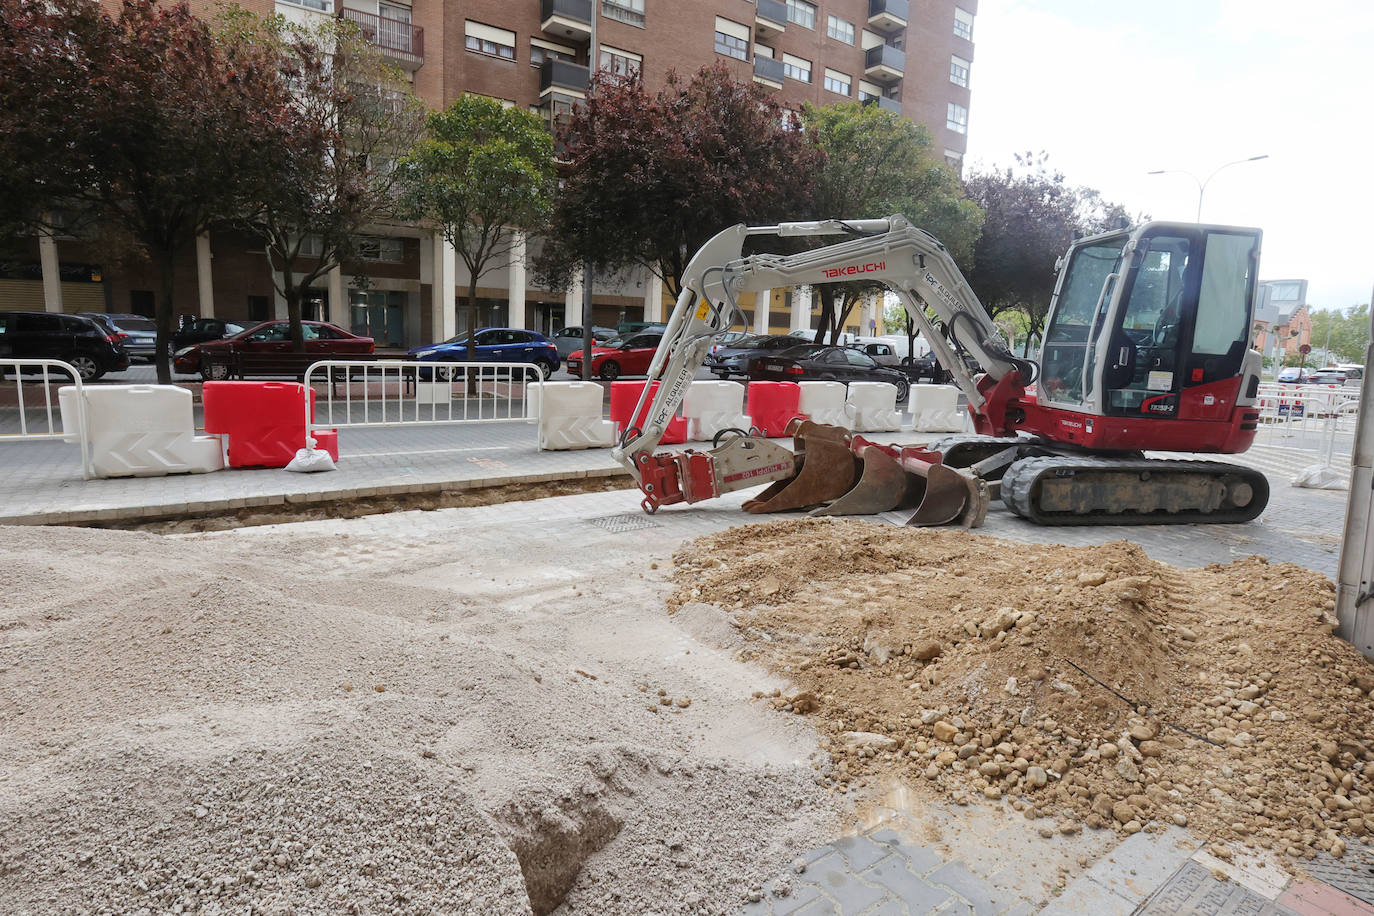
(1201, 184)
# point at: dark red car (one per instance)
(265, 350)
(629, 357)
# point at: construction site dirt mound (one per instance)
(1082, 685)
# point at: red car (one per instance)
(265, 349)
(630, 356)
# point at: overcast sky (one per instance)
(1113, 90)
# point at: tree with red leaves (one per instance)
(650, 177)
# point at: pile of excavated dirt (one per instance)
(403, 721)
(1085, 686)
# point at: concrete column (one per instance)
(801, 308)
(515, 290)
(444, 319)
(762, 299)
(572, 302)
(338, 305)
(52, 277)
(205, 276)
(868, 312)
(653, 297)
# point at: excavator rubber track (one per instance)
(1071, 490)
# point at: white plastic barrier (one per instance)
(141, 430)
(935, 409)
(823, 402)
(710, 407)
(873, 406)
(569, 415)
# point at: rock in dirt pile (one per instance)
(1085, 686)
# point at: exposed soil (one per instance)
(1087, 685)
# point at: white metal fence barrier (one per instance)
(31, 409)
(352, 393)
(1315, 418)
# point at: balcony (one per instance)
(400, 41)
(770, 18)
(884, 63)
(884, 103)
(768, 71)
(566, 19)
(888, 17)
(562, 77)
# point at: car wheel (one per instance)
(609, 371)
(545, 369)
(86, 367)
(445, 373)
(903, 389)
(214, 373)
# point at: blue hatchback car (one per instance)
(495, 345)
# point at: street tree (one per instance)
(651, 176)
(187, 127)
(877, 163)
(1031, 216)
(1344, 333)
(353, 117)
(481, 173)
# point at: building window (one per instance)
(840, 30)
(956, 118)
(954, 158)
(541, 51)
(631, 11)
(958, 70)
(869, 92)
(732, 39)
(963, 23)
(796, 68)
(375, 248)
(802, 13)
(837, 82)
(621, 63)
(324, 6)
(484, 39)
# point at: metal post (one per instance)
(1355, 578)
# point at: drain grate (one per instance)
(618, 523)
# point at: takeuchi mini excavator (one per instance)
(1146, 346)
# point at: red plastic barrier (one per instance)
(772, 405)
(624, 396)
(265, 421)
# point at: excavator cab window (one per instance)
(1086, 289)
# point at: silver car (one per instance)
(138, 335)
(569, 340)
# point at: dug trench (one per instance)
(1083, 687)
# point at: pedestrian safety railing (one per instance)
(1315, 418)
(30, 405)
(380, 393)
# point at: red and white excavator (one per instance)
(1146, 346)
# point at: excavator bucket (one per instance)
(827, 469)
(951, 494)
(882, 486)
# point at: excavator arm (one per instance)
(909, 261)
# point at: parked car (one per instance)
(629, 357)
(840, 364)
(1330, 376)
(1293, 376)
(137, 334)
(198, 330)
(494, 345)
(735, 358)
(265, 350)
(570, 339)
(928, 367)
(87, 347)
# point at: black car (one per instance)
(828, 364)
(80, 342)
(192, 331)
(928, 367)
(735, 359)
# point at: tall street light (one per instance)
(1202, 185)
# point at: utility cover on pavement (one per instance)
(1193, 890)
(618, 523)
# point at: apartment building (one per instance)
(912, 57)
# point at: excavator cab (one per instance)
(1153, 324)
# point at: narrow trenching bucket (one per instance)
(951, 494)
(827, 469)
(883, 484)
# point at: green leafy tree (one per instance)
(652, 176)
(1346, 329)
(481, 172)
(353, 117)
(876, 164)
(1031, 216)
